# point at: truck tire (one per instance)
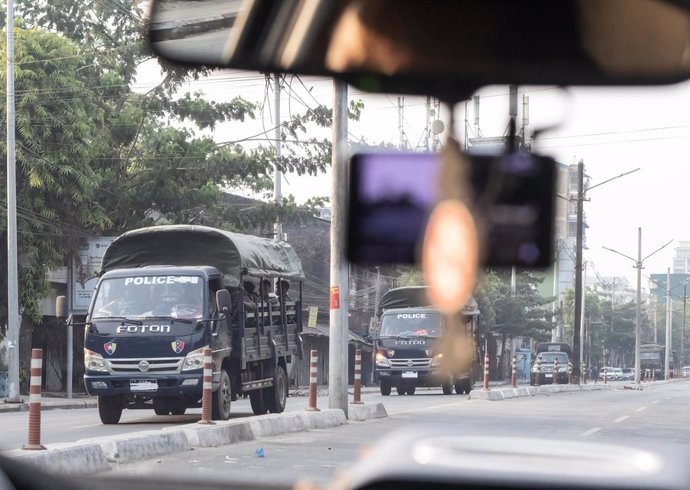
(178, 410)
(160, 410)
(222, 397)
(385, 388)
(400, 390)
(276, 395)
(109, 409)
(463, 386)
(410, 390)
(258, 402)
(447, 387)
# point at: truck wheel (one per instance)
(109, 409)
(447, 387)
(178, 410)
(469, 384)
(220, 405)
(460, 387)
(258, 402)
(400, 390)
(410, 390)
(385, 388)
(276, 395)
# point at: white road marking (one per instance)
(656, 401)
(621, 419)
(640, 409)
(451, 404)
(591, 431)
(85, 426)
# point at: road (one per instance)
(628, 417)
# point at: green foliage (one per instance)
(526, 313)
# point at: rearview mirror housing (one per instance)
(444, 48)
(224, 301)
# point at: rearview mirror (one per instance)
(61, 308)
(446, 48)
(224, 301)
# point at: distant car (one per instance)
(612, 373)
(628, 374)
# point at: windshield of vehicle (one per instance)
(411, 324)
(144, 296)
(550, 357)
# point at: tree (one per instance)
(57, 140)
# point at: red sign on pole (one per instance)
(335, 298)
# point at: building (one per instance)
(681, 258)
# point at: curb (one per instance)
(24, 407)
(366, 411)
(100, 454)
(171, 30)
(520, 392)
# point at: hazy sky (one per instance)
(612, 130)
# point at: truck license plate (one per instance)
(409, 374)
(549, 375)
(143, 385)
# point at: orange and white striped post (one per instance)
(606, 375)
(486, 372)
(538, 370)
(570, 372)
(34, 440)
(207, 394)
(358, 377)
(513, 373)
(313, 379)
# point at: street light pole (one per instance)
(638, 265)
(668, 322)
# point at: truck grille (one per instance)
(410, 363)
(157, 365)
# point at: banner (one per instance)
(86, 264)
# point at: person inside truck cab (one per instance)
(188, 304)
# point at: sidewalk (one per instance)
(51, 401)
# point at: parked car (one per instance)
(611, 373)
(628, 374)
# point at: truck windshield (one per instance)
(411, 325)
(144, 296)
(550, 357)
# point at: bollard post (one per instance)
(539, 370)
(358, 377)
(584, 374)
(207, 393)
(570, 372)
(34, 439)
(513, 375)
(486, 372)
(555, 371)
(313, 378)
(606, 378)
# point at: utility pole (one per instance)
(339, 332)
(583, 326)
(668, 322)
(577, 369)
(13, 318)
(278, 177)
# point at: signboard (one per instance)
(313, 313)
(86, 264)
(335, 298)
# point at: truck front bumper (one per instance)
(186, 385)
(410, 377)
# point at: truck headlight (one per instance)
(436, 360)
(194, 360)
(93, 361)
(382, 360)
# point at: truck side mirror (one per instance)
(61, 310)
(224, 302)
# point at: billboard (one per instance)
(86, 264)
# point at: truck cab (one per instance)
(413, 344)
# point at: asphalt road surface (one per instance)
(627, 417)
